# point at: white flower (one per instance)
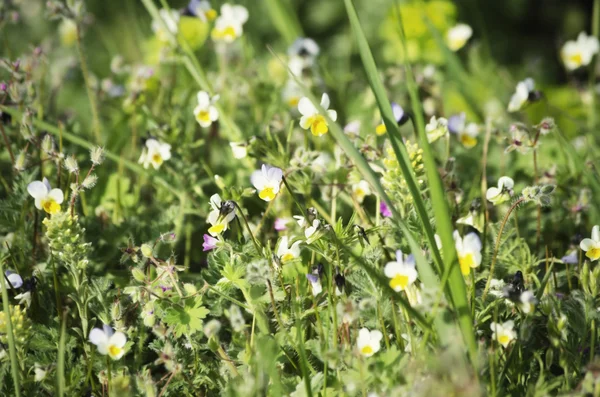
(286, 253)
(521, 95)
(402, 272)
(503, 333)
(291, 93)
(203, 10)
(155, 153)
(468, 135)
(300, 220)
(470, 220)
(527, 301)
(45, 197)
(109, 342)
(239, 149)
(468, 250)
(368, 342)
(302, 53)
(171, 21)
(579, 53)
(315, 283)
(205, 112)
(219, 223)
(591, 246)
(360, 190)
(310, 231)
(39, 372)
(311, 119)
(267, 181)
(436, 128)
(15, 280)
(457, 37)
(502, 193)
(229, 25)
(24, 298)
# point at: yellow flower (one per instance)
(45, 197)
(109, 342)
(267, 181)
(468, 250)
(503, 333)
(457, 36)
(312, 119)
(591, 246)
(229, 25)
(402, 272)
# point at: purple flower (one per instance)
(456, 123)
(571, 258)
(398, 112)
(280, 224)
(385, 211)
(210, 243)
(3, 86)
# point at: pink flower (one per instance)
(385, 211)
(210, 243)
(280, 224)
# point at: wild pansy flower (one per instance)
(108, 341)
(14, 279)
(315, 282)
(457, 36)
(360, 190)
(220, 216)
(171, 22)
(312, 119)
(303, 53)
(292, 93)
(311, 230)
(202, 9)
(210, 243)
(436, 128)
(280, 224)
(155, 153)
(402, 272)
(527, 301)
(205, 112)
(468, 250)
(576, 54)
(525, 93)
(239, 149)
(502, 193)
(267, 181)
(472, 219)
(368, 342)
(467, 133)
(385, 211)
(287, 253)
(45, 197)
(503, 333)
(571, 258)
(519, 140)
(591, 246)
(229, 25)
(399, 115)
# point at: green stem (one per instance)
(108, 370)
(12, 349)
(256, 244)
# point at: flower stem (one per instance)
(12, 349)
(256, 244)
(498, 240)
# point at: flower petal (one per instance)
(37, 189)
(57, 195)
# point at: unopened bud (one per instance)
(71, 165)
(146, 250)
(89, 181)
(97, 155)
(20, 161)
(48, 144)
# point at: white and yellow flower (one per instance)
(368, 342)
(457, 36)
(203, 10)
(267, 181)
(521, 95)
(503, 333)
(312, 119)
(436, 128)
(528, 301)
(576, 54)
(45, 197)
(468, 135)
(288, 253)
(155, 153)
(109, 342)
(402, 272)
(468, 250)
(311, 230)
(502, 193)
(239, 149)
(591, 246)
(205, 112)
(219, 223)
(360, 190)
(229, 25)
(291, 93)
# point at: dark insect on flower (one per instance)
(227, 207)
(320, 269)
(30, 284)
(312, 214)
(535, 96)
(340, 280)
(475, 205)
(515, 288)
(362, 235)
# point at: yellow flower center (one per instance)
(216, 229)
(50, 206)
(593, 253)
(576, 58)
(210, 14)
(114, 351)
(380, 130)
(293, 101)
(457, 44)
(366, 350)
(318, 125)
(468, 141)
(399, 281)
(466, 263)
(503, 339)
(157, 159)
(203, 116)
(267, 194)
(287, 257)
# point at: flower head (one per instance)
(525, 92)
(527, 301)
(436, 128)
(219, 217)
(155, 153)
(205, 112)
(457, 37)
(360, 190)
(503, 333)
(467, 133)
(368, 342)
(280, 224)
(287, 253)
(468, 250)
(14, 279)
(502, 193)
(229, 25)
(210, 243)
(385, 211)
(576, 54)
(202, 9)
(312, 229)
(108, 341)
(239, 149)
(267, 181)
(399, 115)
(315, 282)
(591, 246)
(45, 197)
(312, 119)
(402, 272)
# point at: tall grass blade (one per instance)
(284, 19)
(12, 348)
(60, 363)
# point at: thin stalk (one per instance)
(108, 370)
(90, 93)
(497, 247)
(60, 367)
(12, 348)
(256, 244)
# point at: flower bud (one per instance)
(21, 161)
(48, 144)
(89, 181)
(146, 250)
(97, 155)
(71, 165)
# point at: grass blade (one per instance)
(284, 19)
(12, 349)
(60, 363)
